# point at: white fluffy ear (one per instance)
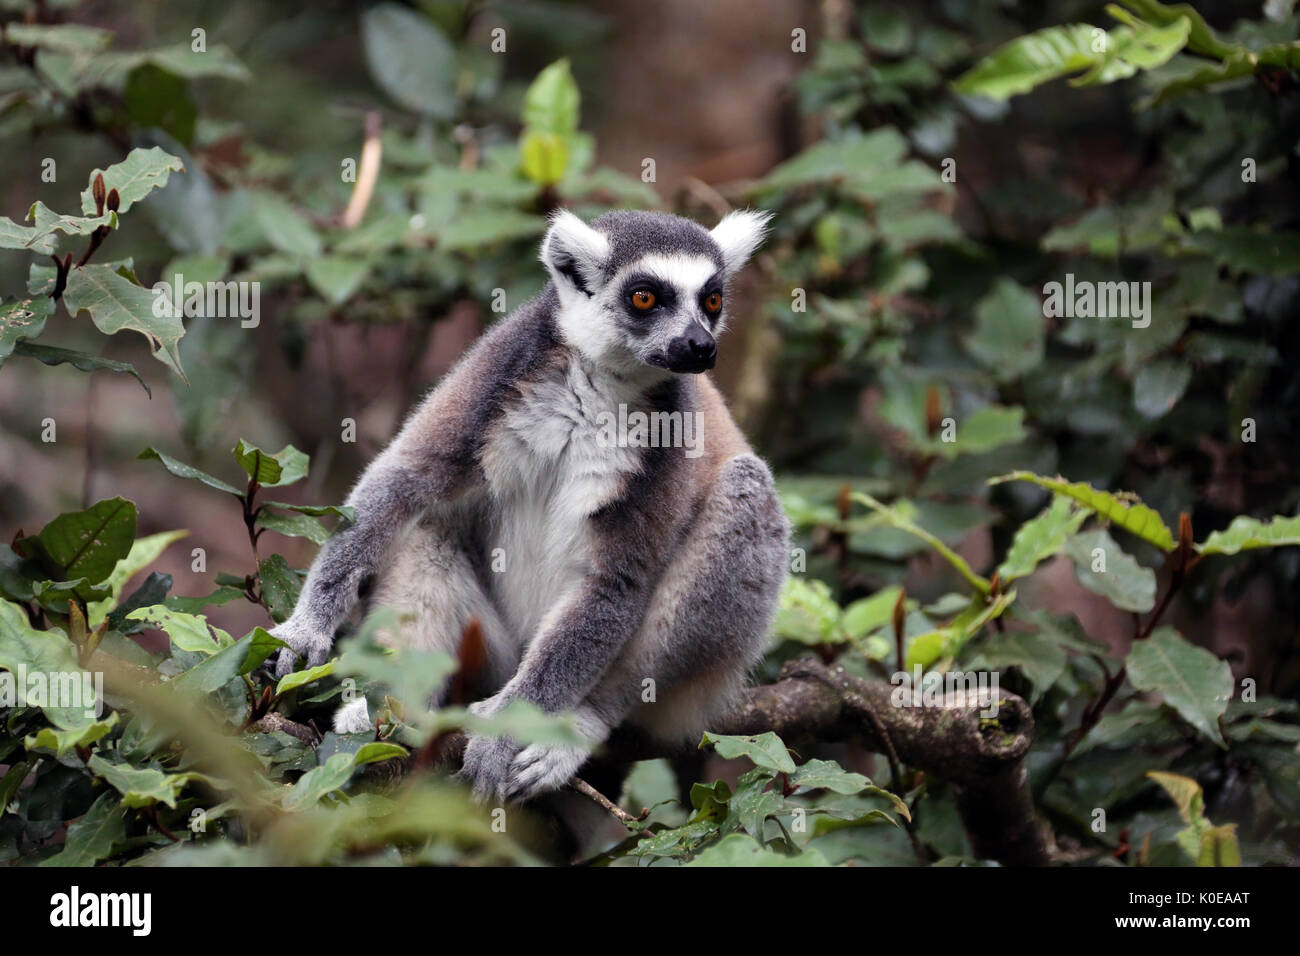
(574, 253)
(738, 235)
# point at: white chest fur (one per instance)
(549, 466)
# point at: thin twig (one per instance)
(621, 815)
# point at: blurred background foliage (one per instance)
(927, 182)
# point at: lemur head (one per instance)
(644, 291)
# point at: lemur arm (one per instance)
(433, 458)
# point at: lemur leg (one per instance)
(433, 583)
(704, 631)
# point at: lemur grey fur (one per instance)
(624, 561)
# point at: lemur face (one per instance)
(644, 291)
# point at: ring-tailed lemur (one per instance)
(626, 560)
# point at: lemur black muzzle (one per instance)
(695, 351)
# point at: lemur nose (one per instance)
(704, 348)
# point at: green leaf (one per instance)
(807, 613)
(866, 614)
(298, 678)
(1123, 582)
(1041, 537)
(182, 470)
(765, 750)
(410, 59)
(336, 278)
(828, 775)
(991, 427)
(62, 37)
(142, 786)
(43, 652)
(143, 171)
(1246, 534)
(488, 227)
(293, 526)
(46, 220)
(116, 303)
(1008, 337)
(1036, 655)
(872, 166)
(84, 544)
(272, 471)
(1077, 48)
(737, 849)
(552, 100)
(22, 319)
(544, 157)
(1190, 679)
(16, 236)
(1121, 508)
(144, 552)
(188, 632)
(93, 837)
(52, 355)
(897, 520)
(280, 586)
(1242, 249)
(284, 227)
(61, 741)
(377, 752)
(339, 511)
(1159, 385)
(318, 782)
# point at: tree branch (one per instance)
(982, 757)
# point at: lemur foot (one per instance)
(541, 768)
(303, 642)
(486, 766)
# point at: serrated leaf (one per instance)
(134, 178)
(1247, 534)
(1120, 508)
(1123, 582)
(1041, 537)
(115, 303)
(1190, 679)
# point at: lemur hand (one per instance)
(302, 640)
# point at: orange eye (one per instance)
(643, 300)
(713, 303)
